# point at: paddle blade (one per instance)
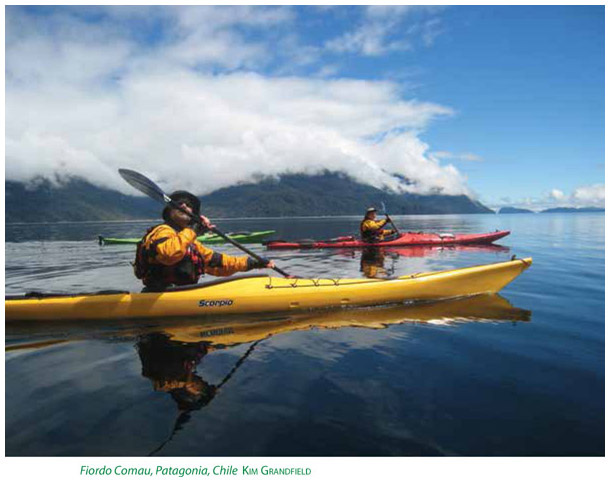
(145, 185)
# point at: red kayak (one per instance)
(404, 239)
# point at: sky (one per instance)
(502, 103)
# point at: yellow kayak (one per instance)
(265, 294)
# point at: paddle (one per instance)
(145, 185)
(389, 218)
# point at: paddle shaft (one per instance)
(246, 250)
(389, 218)
(392, 223)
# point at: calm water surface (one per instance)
(520, 374)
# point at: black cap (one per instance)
(185, 197)
(371, 210)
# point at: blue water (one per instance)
(518, 375)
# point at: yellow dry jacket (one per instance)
(371, 230)
(176, 257)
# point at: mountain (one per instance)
(330, 193)
(76, 200)
(511, 210)
(289, 195)
(575, 210)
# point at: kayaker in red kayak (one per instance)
(371, 231)
(170, 255)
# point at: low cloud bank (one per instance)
(85, 97)
(593, 195)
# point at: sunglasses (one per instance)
(185, 203)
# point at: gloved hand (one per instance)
(199, 228)
(256, 264)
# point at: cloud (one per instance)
(215, 35)
(384, 12)
(431, 30)
(583, 196)
(557, 195)
(381, 30)
(593, 195)
(168, 102)
(465, 156)
(369, 39)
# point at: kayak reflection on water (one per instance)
(170, 358)
(372, 259)
(171, 352)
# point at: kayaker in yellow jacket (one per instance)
(170, 255)
(371, 230)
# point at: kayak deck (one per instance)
(264, 294)
(405, 239)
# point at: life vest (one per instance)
(158, 276)
(369, 236)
